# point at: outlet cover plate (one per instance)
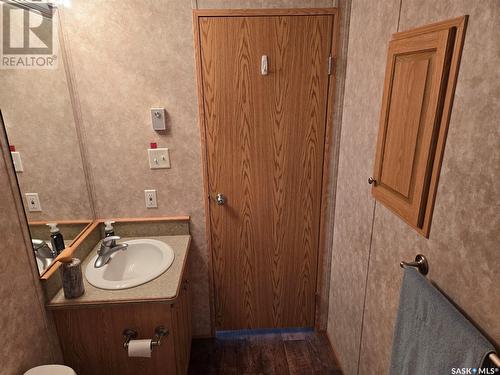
(150, 198)
(33, 202)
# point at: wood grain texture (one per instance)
(332, 135)
(264, 142)
(264, 353)
(182, 333)
(414, 95)
(92, 341)
(203, 144)
(60, 222)
(147, 219)
(263, 12)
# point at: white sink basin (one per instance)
(141, 262)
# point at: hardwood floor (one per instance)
(299, 352)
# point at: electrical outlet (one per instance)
(33, 202)
(150, 197)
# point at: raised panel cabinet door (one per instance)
(414, 88)
(265, 136)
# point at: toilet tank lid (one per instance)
(50, 370)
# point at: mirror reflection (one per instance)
(39, 121)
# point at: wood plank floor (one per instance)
(290, 353)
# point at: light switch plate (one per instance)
(18, 164)
(33, 202)
(150, 197)
(159, 158)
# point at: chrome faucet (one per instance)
(43, 252)
(108, 247)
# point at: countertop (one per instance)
(164, 288)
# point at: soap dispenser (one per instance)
(56, 238)
(108, 229)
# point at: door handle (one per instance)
(220, 199)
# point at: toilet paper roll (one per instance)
(139, 348)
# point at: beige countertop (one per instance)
(164, 288)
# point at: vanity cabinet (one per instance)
(92, 336)
(420, 79)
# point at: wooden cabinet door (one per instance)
(265, 138)
(92, 341)
(415, 84)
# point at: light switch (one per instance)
(18, 164)
(150, 197)
(159, 158)
(33, 202)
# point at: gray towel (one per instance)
(431, 336)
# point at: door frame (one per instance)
(321, 306)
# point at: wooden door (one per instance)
(265, 137)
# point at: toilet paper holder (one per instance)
(131, 334)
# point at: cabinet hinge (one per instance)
(330, 65)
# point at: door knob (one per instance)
(220, 199)
(371, 181)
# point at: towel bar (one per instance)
(420, 263)
(495, 359)
(423, 267)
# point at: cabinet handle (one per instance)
(371, 181)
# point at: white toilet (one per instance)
(51, 370)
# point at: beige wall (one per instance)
(369, 241)
(127, 57)
(28, 337)
(38, 116)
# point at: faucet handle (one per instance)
(110, 240)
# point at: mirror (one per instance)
(39, 120)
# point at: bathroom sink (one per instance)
(142, 261)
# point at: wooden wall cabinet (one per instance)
(92, 342)
(420, 80)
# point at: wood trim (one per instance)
(459, 22)
(65, 222)
(263, 12)
(201, 123)
(80, 234)
(198, 13)
(461, 26)
(69, 251)
(62, 222)
(327, 162)
(146, 219)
